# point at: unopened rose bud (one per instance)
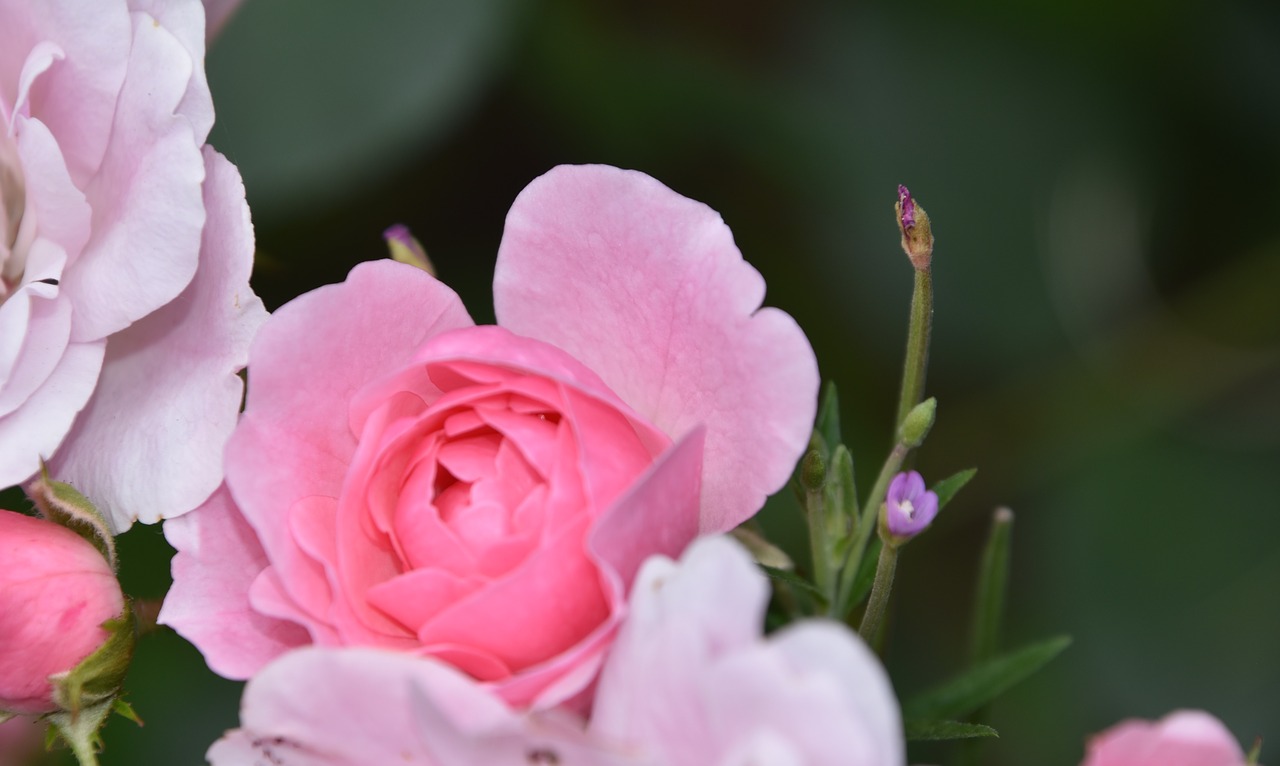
(909, 506)
(56, 593)
(917, 235)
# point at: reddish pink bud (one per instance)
(56, 591)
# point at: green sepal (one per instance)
(62, 504)
(920, 731)
(948, 487)
(125, 710)
(984, 682)
(98, 677)
(1254, 753)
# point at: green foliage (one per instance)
(918, 731)
(948, 487)
(984, 682)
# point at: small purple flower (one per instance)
(907, 206)
(909, 506)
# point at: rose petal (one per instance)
(36, 430)
(186, 22)
(172, 377)
(217, 561)
(147, 206)
(292, 441)
(311, 708)
(77, 96)
(647, 289)
(1182, 738)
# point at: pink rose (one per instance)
(689, 681)
(1182, 738)
(56, 590)
(125, 249)
(484, 495)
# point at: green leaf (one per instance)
(948, 487)
(841, 495)
(829, 416)
(993, 583)
(976, 687)
(918, 731)
(791, 578)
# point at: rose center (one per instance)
(13, 203)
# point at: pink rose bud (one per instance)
(56, 591)
(1182, 738)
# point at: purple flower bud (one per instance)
(907, 206)
(909, 507)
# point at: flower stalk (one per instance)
(879, 599)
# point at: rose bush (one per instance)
(125, 250)
(689, 681)
(484, 495)
(56, 591)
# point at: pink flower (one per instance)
(909, 506)
(689, 681)
(484, 495)
(1182, 738)
(56, 590)
(125, 249)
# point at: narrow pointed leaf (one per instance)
(793, 579)
(948, 487)
(993, 583)
(976, 687)
(829, 416)
(918, 731)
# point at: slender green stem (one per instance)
(918, 331)
(879, 599)
(866, 527)
(819, 547)
(84, 752)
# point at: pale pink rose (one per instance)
(690, 680)
(484, 495)
(355, 707)
(1182, 738)
(56, 590)
(125, 249)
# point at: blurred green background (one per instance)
(1103, 181)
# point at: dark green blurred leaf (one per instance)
(937, 730)
(790, 578)
(993, 584)
(983, 683)
(948, 487)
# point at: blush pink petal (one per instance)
(1182, 738)
(353, 707)
(218, 559)
(146, 197)
(186, 21)
(647, 289)
(691, 681)
(172, 376)
(39, 426)
(78, 94)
